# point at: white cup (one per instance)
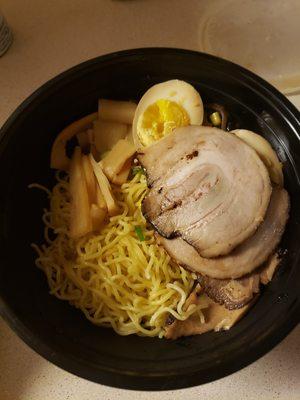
(6, 36)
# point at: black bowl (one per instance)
(61, 333)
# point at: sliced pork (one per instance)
(244, 258)
(233, 293)
(216, 317)
(207, 187)
(236, 293)
(268, 270)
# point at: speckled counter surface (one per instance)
(51, 36)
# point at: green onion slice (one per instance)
(139, 233)
(137, 170)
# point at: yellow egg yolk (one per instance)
(160, 119)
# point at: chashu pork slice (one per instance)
(236, 293)
(207, 186)
(216, 317)
(244, 258)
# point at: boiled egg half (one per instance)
(164, 107)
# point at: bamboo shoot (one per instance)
(80, 221)
(97, 216)
(115, 160)
(100, 200)
(107, 133)
(122, 176)
(89, 178)
(105, 188)
(117, 111)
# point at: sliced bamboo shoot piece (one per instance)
(105, 188)
(115, 160)
(129, 135)
(107, 133)
(98, 216)
(122, 176)
(80, 221)
(117, 111)
(100, 200)
(89, 178)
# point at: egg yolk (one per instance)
(160, 119)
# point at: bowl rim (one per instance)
(128, 380)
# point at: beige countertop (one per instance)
(51, 36)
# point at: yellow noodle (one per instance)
(113, 277)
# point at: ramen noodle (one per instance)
(119, 277)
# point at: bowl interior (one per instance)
(60, 332)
